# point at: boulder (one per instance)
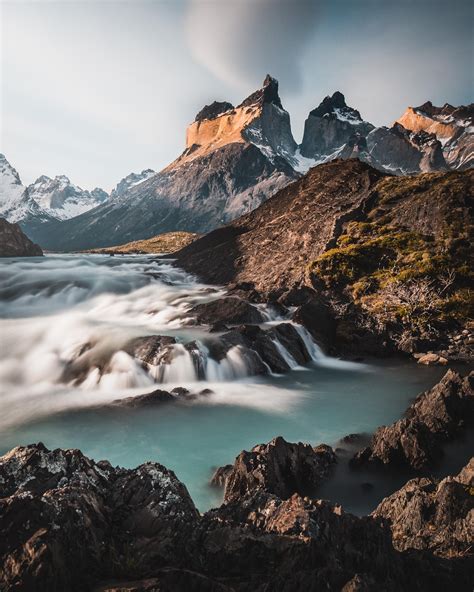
(229, 310)
(147, 400)
(432, 514)
(221, 474)
(65, 520)
(436, 416)
(279, 467)
(316, 316)
(432, 360)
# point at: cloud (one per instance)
(240, 41)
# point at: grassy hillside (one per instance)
(169, 242)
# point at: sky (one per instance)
(98, 89)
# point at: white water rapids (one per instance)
(52, 308)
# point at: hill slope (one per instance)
(389, 257)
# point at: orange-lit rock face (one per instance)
(205, 136)
(417, 121)
(224, 129)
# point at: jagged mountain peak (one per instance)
(15, 201)
(62, 199)
(267, 94)
(335, 105)
(259, 120)
(213, 110)
(130, 181)
(6, 169)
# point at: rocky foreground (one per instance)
(70, 523)
(14, 243)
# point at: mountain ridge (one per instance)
(237, 157)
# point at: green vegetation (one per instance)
(169, 242)
(400, 275)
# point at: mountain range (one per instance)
(235, 158)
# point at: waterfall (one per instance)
(285, 354)
(231, 367)
(181, 368)
(312, 347)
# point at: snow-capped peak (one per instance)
(62, 199)
(14, 200)
(130, 181)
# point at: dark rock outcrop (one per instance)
(435, 417)
(228, 310)
(213, 110)
(434, 515)
(69, 523)
(331, 127)
(221, 474)
(14, 243)
(147, 400)
(65, 519)
(279, 467)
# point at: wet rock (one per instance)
(229, 310)
(290, 339)
(435, 417)
(316, 316)
(147, 400)
(180, 391)
(279, 467)
(152, 349)
(432, 360)
(431, 514)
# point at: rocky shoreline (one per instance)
(70, 523)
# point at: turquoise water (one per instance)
(54, 304)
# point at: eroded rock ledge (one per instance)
(436, 416)
(433, 514)
(69, 523)
(279, 467)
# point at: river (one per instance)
(51, 307)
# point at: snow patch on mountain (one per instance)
(131, 180)
(62, 199)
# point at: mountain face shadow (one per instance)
(217, 252)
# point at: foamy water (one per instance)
(51, 308)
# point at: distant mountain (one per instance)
(452, 126)
(130, 181)
(330, 129)
(15, 202)
(45, 200)
(235, 158)
(62, 199)
(335, 130)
